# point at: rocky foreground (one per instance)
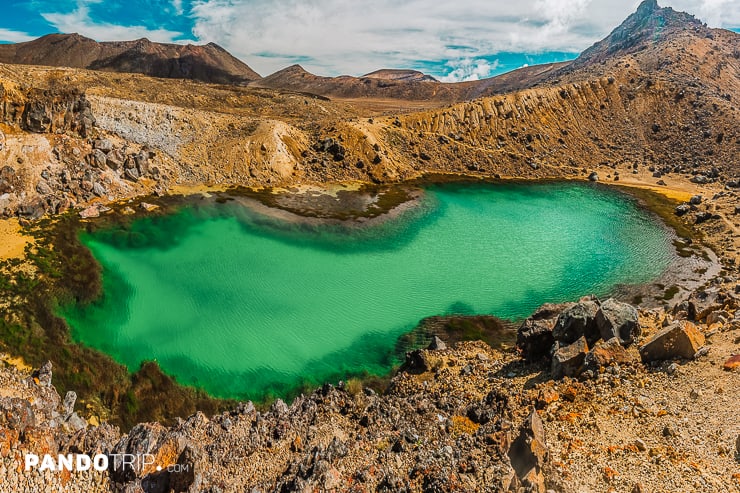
(651, 408)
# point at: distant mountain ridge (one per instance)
(408, 85)
(206, 63)
(650, 26)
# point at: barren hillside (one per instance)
(208, 63)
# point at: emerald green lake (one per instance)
(246, 306)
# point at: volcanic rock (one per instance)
(733, 363)
(534, 339)
(679, 340)
(605, 353)
(568, 360)
(43, 188)
(528, 454)
(16, 414)
(577, 321)
(98, 158)
(437, 344)
(616, 319)
(104, 145)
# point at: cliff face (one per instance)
(39, 111)
(208, 63)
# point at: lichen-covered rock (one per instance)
(679, 340)
(16, 414)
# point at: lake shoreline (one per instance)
(653, 291)
(122, 212)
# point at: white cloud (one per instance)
(177, 5)
(14, 36)
(468, 69)
(344, 36)
(332, 37)
(79, 21)
(716, 13)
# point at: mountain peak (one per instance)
(648, 25)
(647, 7)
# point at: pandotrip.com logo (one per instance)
(99, 463)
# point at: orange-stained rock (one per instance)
(679, 340)
(733, 363)
(40, 441)
(546, 397)
(8, 439)
(604, 353)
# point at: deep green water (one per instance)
(245, 306)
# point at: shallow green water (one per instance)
(245, 306)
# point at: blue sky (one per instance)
(461, 40)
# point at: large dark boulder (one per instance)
(36, 118)
(550, 311)
(534, 339)
(577, 321)
(620, 320)
(567, 361)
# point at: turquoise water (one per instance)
(246, 306)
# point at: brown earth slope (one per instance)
(208, 63)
